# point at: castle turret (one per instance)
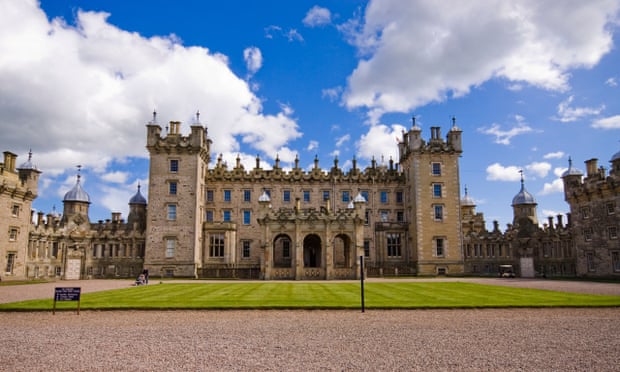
(29, 176)
(137, 212)
(572, 179)
(524, 206)
(76, 203)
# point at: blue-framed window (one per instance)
(437, 192)
(306, 196)
(325, 195)
(227, 195)
(345, 197)
(226, 215)
(286, 196)
(436, 169)
(247, 217)
(247, 195)
(399, 197)
(209, 196)
(384, 197)
(172, 212)
(365, 195)
(209, 216)
(174, 165)
(172, 188)
(438, 210)
(245, 250)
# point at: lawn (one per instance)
(262, 295)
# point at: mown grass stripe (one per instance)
(323, 295)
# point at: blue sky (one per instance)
(530, 83)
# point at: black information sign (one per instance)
(67, 294)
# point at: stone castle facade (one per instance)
(207, 220)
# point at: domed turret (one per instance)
(467, 201)
(571, 171)
(138, 198)
(76, 203)
(524, 206)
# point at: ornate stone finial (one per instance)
(79, 168)
(453, 121)
(316, 161)
(296, 161)
(154, 117)
(413, 121)
(197, 117)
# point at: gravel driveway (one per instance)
(419, 340)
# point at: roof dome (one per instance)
(77, 193)
(615, 157)
(137, 198)
(523, 197)
(574, 171)
(359, 198)
(28, 165)
(467, 201)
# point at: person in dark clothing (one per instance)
(145, 272)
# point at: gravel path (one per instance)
(445, 340)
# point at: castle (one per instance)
(209, 221)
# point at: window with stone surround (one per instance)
(399, 197)
(383, 197)
(227, 195)
(209, 196)
(13, 231)
(247, 217)
(245, 248)
(172, 187)
(585, 213)
(439, 247)
(15, 210)
(172, 212)
(286, 196)
(436, 169)
(590, 261)
(612, 232)
(437, 190)
(226, 215)
(611, 208)
(438, 212)
(587, 234)
(306, 196)
(615, 261)
(345, 197)
(171, 244)
(216, 245)
(10, 262)
(393, 244)
(247, 195)
(174, 165)
(366, 247)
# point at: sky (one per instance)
(530, 82)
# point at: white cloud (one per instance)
(558, 172)
(317, 16)
(503, 137)
(380, 142)
(540, 169)
(340, 141)
(312, 145)
(331, 93)
(424, 51)
(568, 114)
(554, 155)
(498, 172)
(612, 122)
(612, 82)
(556, 186)
(115, 177)
(253, 59)
(96, 81)
(291, 34)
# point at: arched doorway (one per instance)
(342, 251)
(282, 251)
(312, 251)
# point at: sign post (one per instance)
(67, 294)
(362, 280)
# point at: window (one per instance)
(393, 245)
(209, 196)
(590, 261)
(172, 188)
(245, 248)
(13, 233)
(399, 197)
(436, 169)
(286, 248)
(587, 234)
(174, 165)
(325, 195)
(15, 210)
(367, 217)
(247, 195)
(439, 246)
(384, 215)
(345, 197)
(54, 249)
(366, 248)
(247, 217)
(58, 270)
(209, 216)
(286, 196)
(383, 197)
(611, 208)
(227, 195)
(216, 245)
(171, 244)
(365, 195)
(306, 196)
(612, 231)
(585, 213)
(436, 190)
(615, 261)
(268, 192)
(10, 262)
(400, 216)
(226, 215)
(172, 212)
(438, 209)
